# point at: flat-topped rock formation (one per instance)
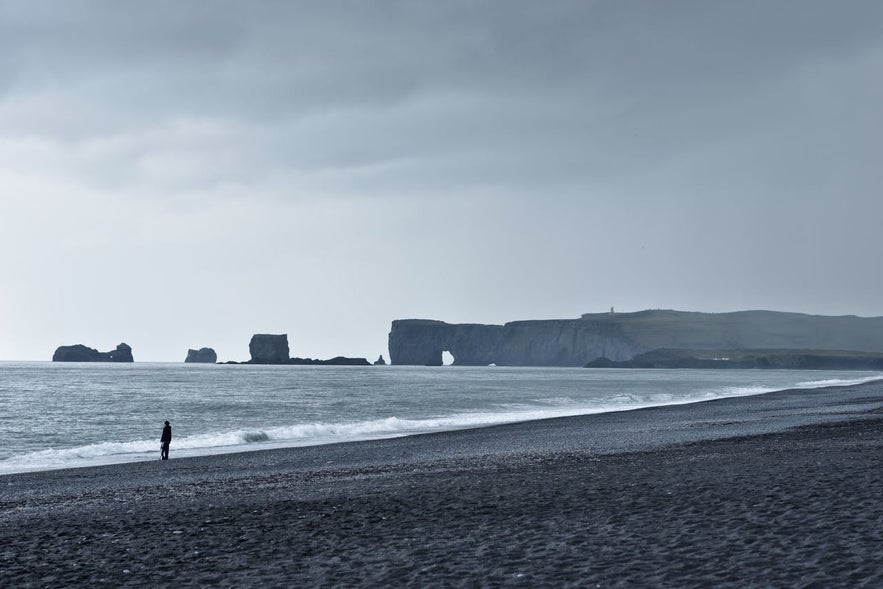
(201, 356)
(336, 361)
(622, 336)
(81, 353)
(268, 348)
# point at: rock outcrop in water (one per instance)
(273, 349)
(622, 336)
(336, 361)
(81, 353)
(269, 348)
(201, 356)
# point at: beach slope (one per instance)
(777, 490)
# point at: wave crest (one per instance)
(308, 434)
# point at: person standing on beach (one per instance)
(164, 442)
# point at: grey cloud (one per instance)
(478, 161)
(530, 93)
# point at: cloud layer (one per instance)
(185, 174)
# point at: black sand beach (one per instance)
(777, 490)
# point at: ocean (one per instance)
(61, 415)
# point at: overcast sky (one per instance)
(183, 174)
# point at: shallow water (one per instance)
(57, 415)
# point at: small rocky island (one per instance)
(268, 348)
(81, 353)
(201, 356)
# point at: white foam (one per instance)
(836, 382)
(309, 434)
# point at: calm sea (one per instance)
(58, 415)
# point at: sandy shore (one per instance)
(778, 490)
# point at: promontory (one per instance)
(620, 337)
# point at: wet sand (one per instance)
(778, 490)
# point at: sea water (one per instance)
(59, 415)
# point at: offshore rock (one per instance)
(336, 361)
(620, 337)
(81, 353)
(269, 349)
(380, 361)
(202, 356)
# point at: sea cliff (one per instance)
(621, 337)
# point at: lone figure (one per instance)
(164, 441)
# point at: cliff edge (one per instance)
(621, 337)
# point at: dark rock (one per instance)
(344, 361)
(202, 356)
(123, 353)
(336, 361)
(522, 343)
(76, 353)
(81, 353)
(380, 361)
(269, 349)
(620, 337)
(736, 359)
(606, 363)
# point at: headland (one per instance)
(620, 337)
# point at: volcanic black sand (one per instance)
(777, 490)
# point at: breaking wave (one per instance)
(311, 434)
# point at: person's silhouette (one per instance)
(164, 442)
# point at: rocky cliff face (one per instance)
(81, 353)
(269, 349)
(521, 343)
(622, 336)
(202, 356)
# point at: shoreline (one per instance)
(778, 489)
(282, 444)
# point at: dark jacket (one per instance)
(166, 434)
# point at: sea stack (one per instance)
(201, 356)
(81, 353)
(269, 349)
(380, 361)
